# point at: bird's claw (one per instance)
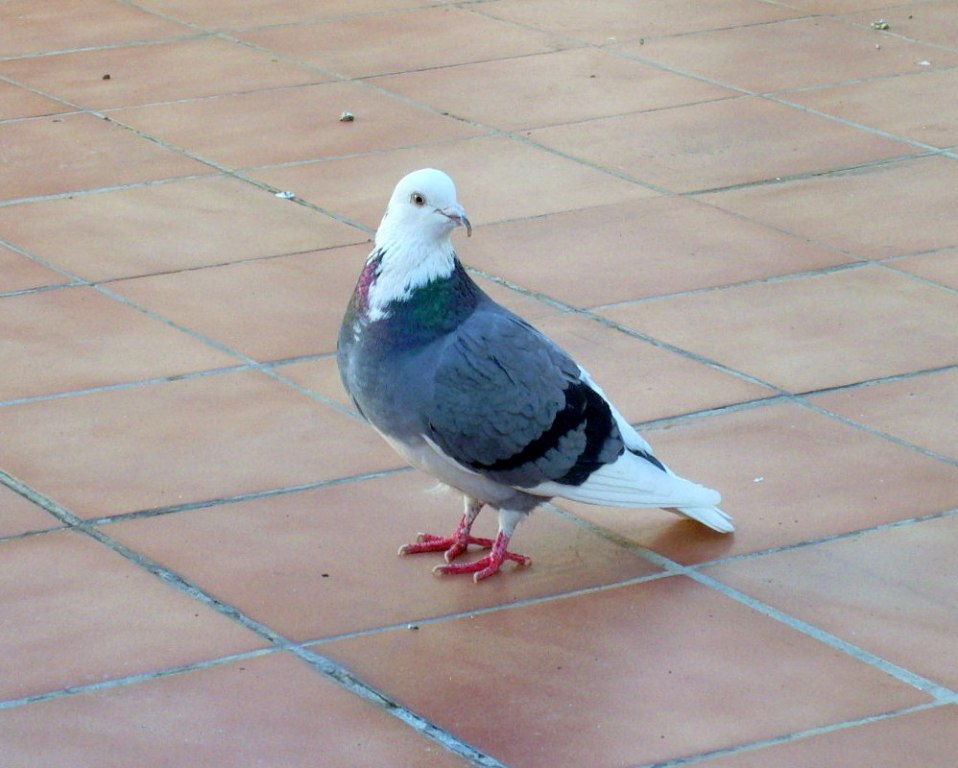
(484, 567)
(452, 546)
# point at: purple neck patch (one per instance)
(366, 279)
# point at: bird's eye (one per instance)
(417, 199)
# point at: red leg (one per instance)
(488, 565)
(453, 545)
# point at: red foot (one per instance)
(488, 565)
(453, 545)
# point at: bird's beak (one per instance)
(458, 214)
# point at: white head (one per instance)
(414, 236)
(423, 209)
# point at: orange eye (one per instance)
(418, 199)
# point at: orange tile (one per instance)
(813, 332)
(718, 144)
(19, 273)
(36, 27)
(527, 306)
(790, 54)
(359, 187)
(266, 309)
(922, 410)
(181, 442)
(19, 102)
(890, 592)
(787, 475)
(270, 711)
(917, 106)
(324, 562)
(22, 516)
(146, 74)
(227, 14)
(52, 155)
(927, 738)
(627, 676)
(292, 124)
(321, 376)
(645, 382)
(885, 210)
(751, 277)
(638, 249)
(167, 227)
(619, 20)
(115, 618)
(383, 43)
(833, 7)
(548, 89)
(76, 338)
(941, 268)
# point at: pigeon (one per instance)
(467, 391)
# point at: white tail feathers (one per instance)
(632, 481)
(713, 517)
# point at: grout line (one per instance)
(108, 188)
(939, 692)
(861, 532)
(126, 385)
(481, 611)
(746, 405)
(780, 394)
(243, 497)
(876, 432)
(614, 325)
(330, 669)
(119, 682)
(836, 171)
(687, 354)
(245, 359)
(786, 739)
(879, 380)
(186, 37)
(426, 728)
(889, 265)
(770, 280)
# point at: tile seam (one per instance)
(874, 431)
(770, 280)
(513, 135)
(221, 501)
(128, 680)
(791, 737)
(327, 667)
(843, 536)
(930, 688)
(139, 43)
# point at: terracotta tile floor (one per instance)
(739, 215)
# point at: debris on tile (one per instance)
(924, 63)
(287, 195)
(758, 479)
(880, 24)
(106, 76)
(347, 117)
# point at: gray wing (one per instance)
(508, 403)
